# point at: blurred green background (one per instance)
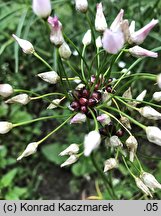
(40, 176)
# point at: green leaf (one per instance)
(51, 152)
(8, 178)
(16, 193)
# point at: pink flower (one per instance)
(138, 51)
(115, 26)
(78, 118)
(139, 36)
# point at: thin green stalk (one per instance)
(41, 59)
(95, 120)
(123, 158)
(132, 107)
(46, 95)
(82, 67)
(141, 169)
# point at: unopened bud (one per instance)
(54, 104)
(72, 149)
(81, 5)
(21, 99)
(100, 21)
(6, 90)
(50, 77)
(104, 119)
(87, 38)
(132, 145)
(138, 51)
(153, 134)
(125, 121)
(150, 113)
(30, 149)
(109, 164)
(5, 127)
(42, 8)
(143, 187)
(72, 159)
(114, 141)
(64, 51)
(78, 118)
(98, 42)
(157, 96)
(150, 181)
(26, 46)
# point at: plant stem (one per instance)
(41, 59)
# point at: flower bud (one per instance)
(150, 181)
(56, 36)
(109, 164)
(157, 96)
(72, 149)
(26, 46)
(125, 121)
(55, 103)
(141, 96)
(98, 42)
(150, 113)
(104, 119)
(21, 99)
(138, 51)
(42, 8)
(81, 5)
(115, 26)
(91, 141)
(30, 149)
(100, 21)
(127, 93)
(64, 51)
(113, 41)
(143, 187)
(50, 77)
(106, 98)
(132, 145)
(139, 36)
(78, 118)
(72, 159)
(80, 86)
(6, 90)
(153, 134)
(5, 127)
(87, 38)
(159, 80)
(114, 141)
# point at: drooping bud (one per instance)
(54, 104)
(150, 113)
(26, 46)
(98, 42)
(141, 96)
(157, 96)
(81, 5)
(72, 159)
(50, 77)
(42, 8)
(104, 119)
(5, 127)
(30, 149)
(125, 121)
(139, 36)
(127, 93)
(109, 164)
(114, 141)
(159, 80)
(113, 41)
(72, 149)
(143, 187)
(64, 51)
(153, 134)
(21, 99)
(106, 98)
(115, 26)
(138, 51)
(100, 21)
(6, 90)
(150, 181)
(56, 36)
(132, 145)
(87, 38)
(91, 141)
(78, 118)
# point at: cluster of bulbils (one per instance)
(87, 97)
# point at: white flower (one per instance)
(30, 149)
(143, 187)
(42, 8)
(150, 113)
(87, 38)
(6, 90)
(132, 145)
(141, 96)
(21, 99)
(106, 98)
(50, 77)
(159, 80)
(55, 103)
(110, 164)
(125, 121)
(150, 181)
(81, 5)
(5, 127)
(72, 159)
(91, 141)
(100, 21)
(157, 96)
(138, 51)
(80, 86)
(78, 118)
(64, 51)
(104, 119)
(26, 46)
(72, 149)
(114, 141)
(98, 42)
(127, 93)
(115, 26)
(153, 134)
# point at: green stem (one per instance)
(132, 107)
(82, 67)
(46, 95)
(95, 120)
(123, 158)
(141, 169)
(41, 59)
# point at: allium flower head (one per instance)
(42, 8)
